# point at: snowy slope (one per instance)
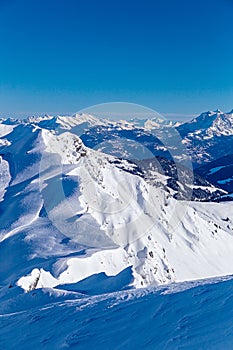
(76, 214)
(81, 232)
(184, 316)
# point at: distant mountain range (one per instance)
(209, 136)
(205, 139)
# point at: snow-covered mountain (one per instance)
(182, 182)
(205, 138)
(81, 231)
(77, 212)
(209, 124)
(141, 139)
(209, 136)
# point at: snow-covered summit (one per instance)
(209, 124)
(209, 136)
(77, 212)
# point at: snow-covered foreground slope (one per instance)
(184, 316)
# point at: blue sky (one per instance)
(60, 56)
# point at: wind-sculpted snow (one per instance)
(189, 316)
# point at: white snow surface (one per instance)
(76, 231)
(6, 129)
(70, 199)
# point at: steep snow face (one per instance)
(68, 146)
(78, 213)
(109, 207)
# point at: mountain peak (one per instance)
(218, 111)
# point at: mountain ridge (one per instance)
(102, 212)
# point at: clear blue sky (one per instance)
(60, 56)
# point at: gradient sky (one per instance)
(60, 56)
